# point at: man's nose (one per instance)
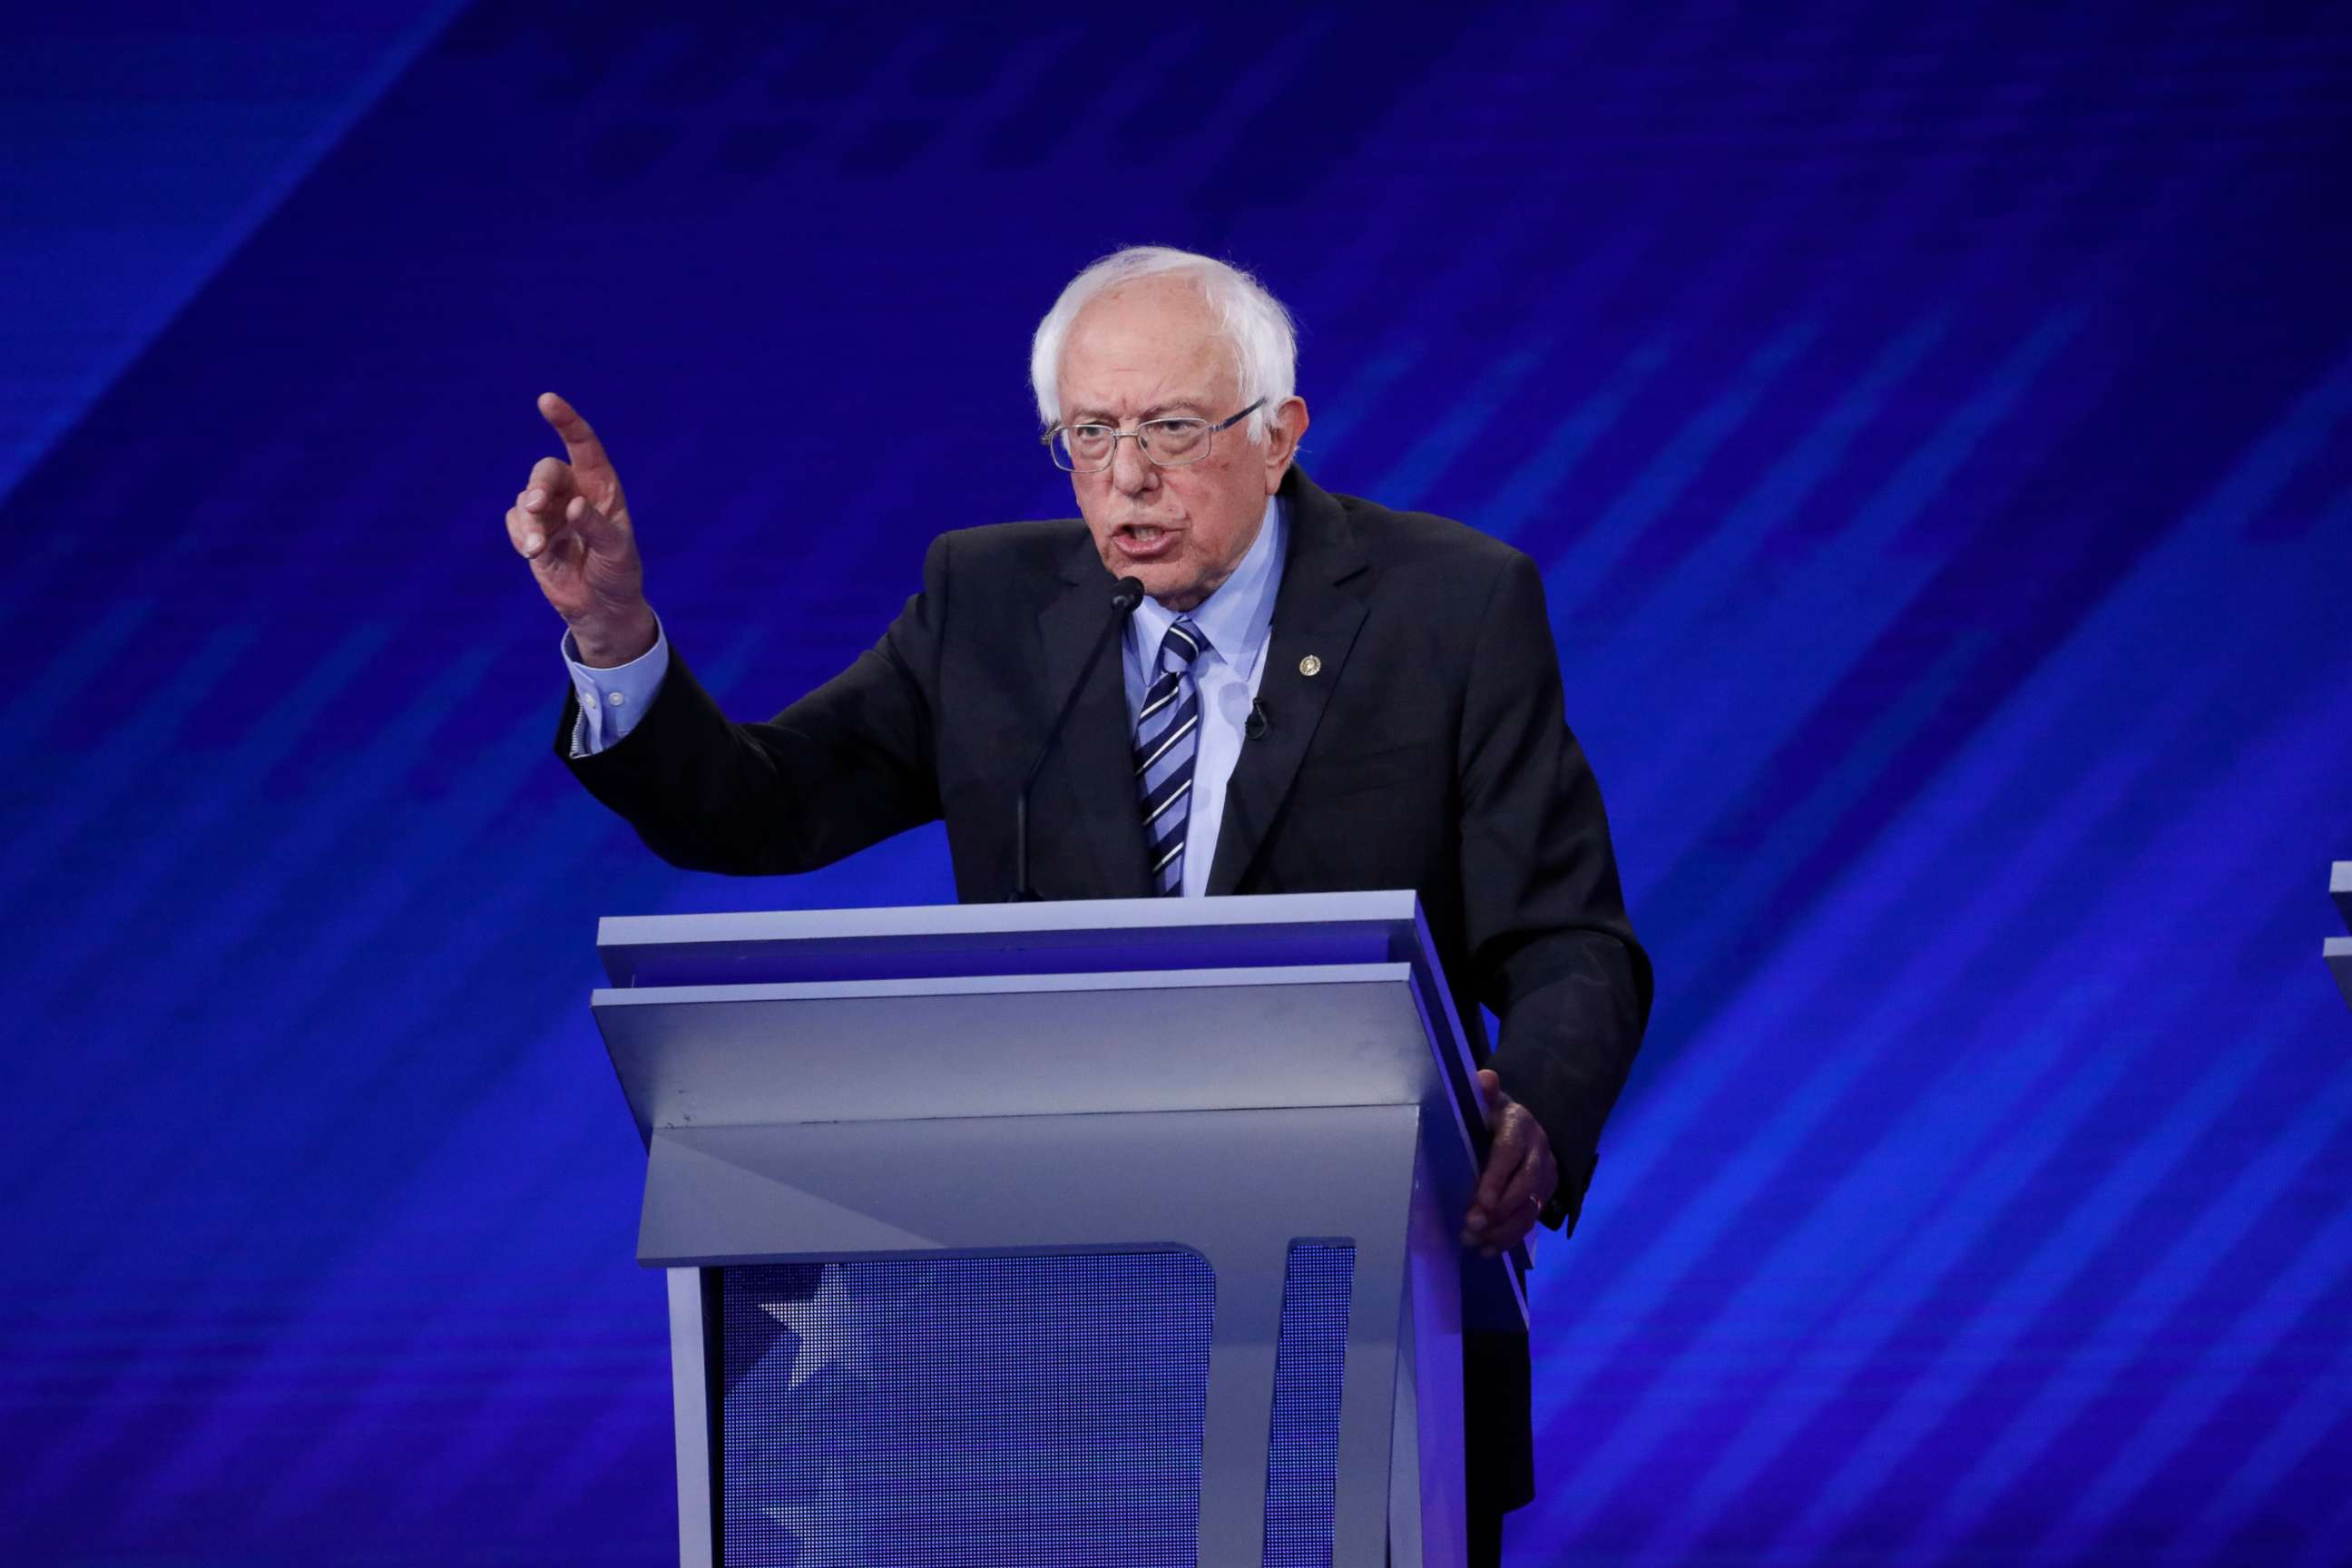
(1130, 471)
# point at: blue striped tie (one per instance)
(1167, 738)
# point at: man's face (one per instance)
(1151, 350)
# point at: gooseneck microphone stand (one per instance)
(1124, 596)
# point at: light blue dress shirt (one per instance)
(1236, 620)
(612, 701)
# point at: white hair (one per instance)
(1253, 321)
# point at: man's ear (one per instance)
(1283, 430)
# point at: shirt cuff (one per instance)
(612, 701)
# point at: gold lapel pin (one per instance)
(1310, 666)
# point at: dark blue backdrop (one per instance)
(1933, 422)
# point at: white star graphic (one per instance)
(833, 1329)
(819, 1546)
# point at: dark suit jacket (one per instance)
(1428, 752)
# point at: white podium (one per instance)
(1117, 1231)
(2337, 950)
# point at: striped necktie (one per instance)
(1167, 739)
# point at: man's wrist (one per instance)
(606, 646)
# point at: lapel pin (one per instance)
(1310, 666)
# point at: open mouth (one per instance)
(1144, 541)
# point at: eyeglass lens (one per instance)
(1165, 441)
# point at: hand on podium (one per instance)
(1519, 1177)
(571, 522)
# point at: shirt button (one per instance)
(616, 699)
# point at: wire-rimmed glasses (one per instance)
(1165, 443)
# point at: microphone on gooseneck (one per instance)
(1125, 595)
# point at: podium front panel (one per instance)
(1042, 1408)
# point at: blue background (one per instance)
(1936, 426)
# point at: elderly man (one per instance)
(1318, 694)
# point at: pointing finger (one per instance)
(579, 437)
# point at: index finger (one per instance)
(580, 440)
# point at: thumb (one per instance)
(1490, 1085)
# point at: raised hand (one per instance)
(571, 522)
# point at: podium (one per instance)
(1104, 1231)
(2337, 950)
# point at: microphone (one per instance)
(1253, 728)
(1125, 595)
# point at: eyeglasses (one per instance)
(1166, 442)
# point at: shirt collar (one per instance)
(1236, 617)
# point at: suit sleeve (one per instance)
(844, 767)
(1551, 951)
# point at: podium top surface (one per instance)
(1003, 1010)
(1063, 936)
(1076, 945)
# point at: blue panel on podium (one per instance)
(965, 1410)
(1302, 1462)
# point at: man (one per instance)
(1318, 694)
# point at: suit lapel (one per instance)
(1091, 777)
(1316, 618)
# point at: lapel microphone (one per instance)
(1253, 728)
(1125, 595)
